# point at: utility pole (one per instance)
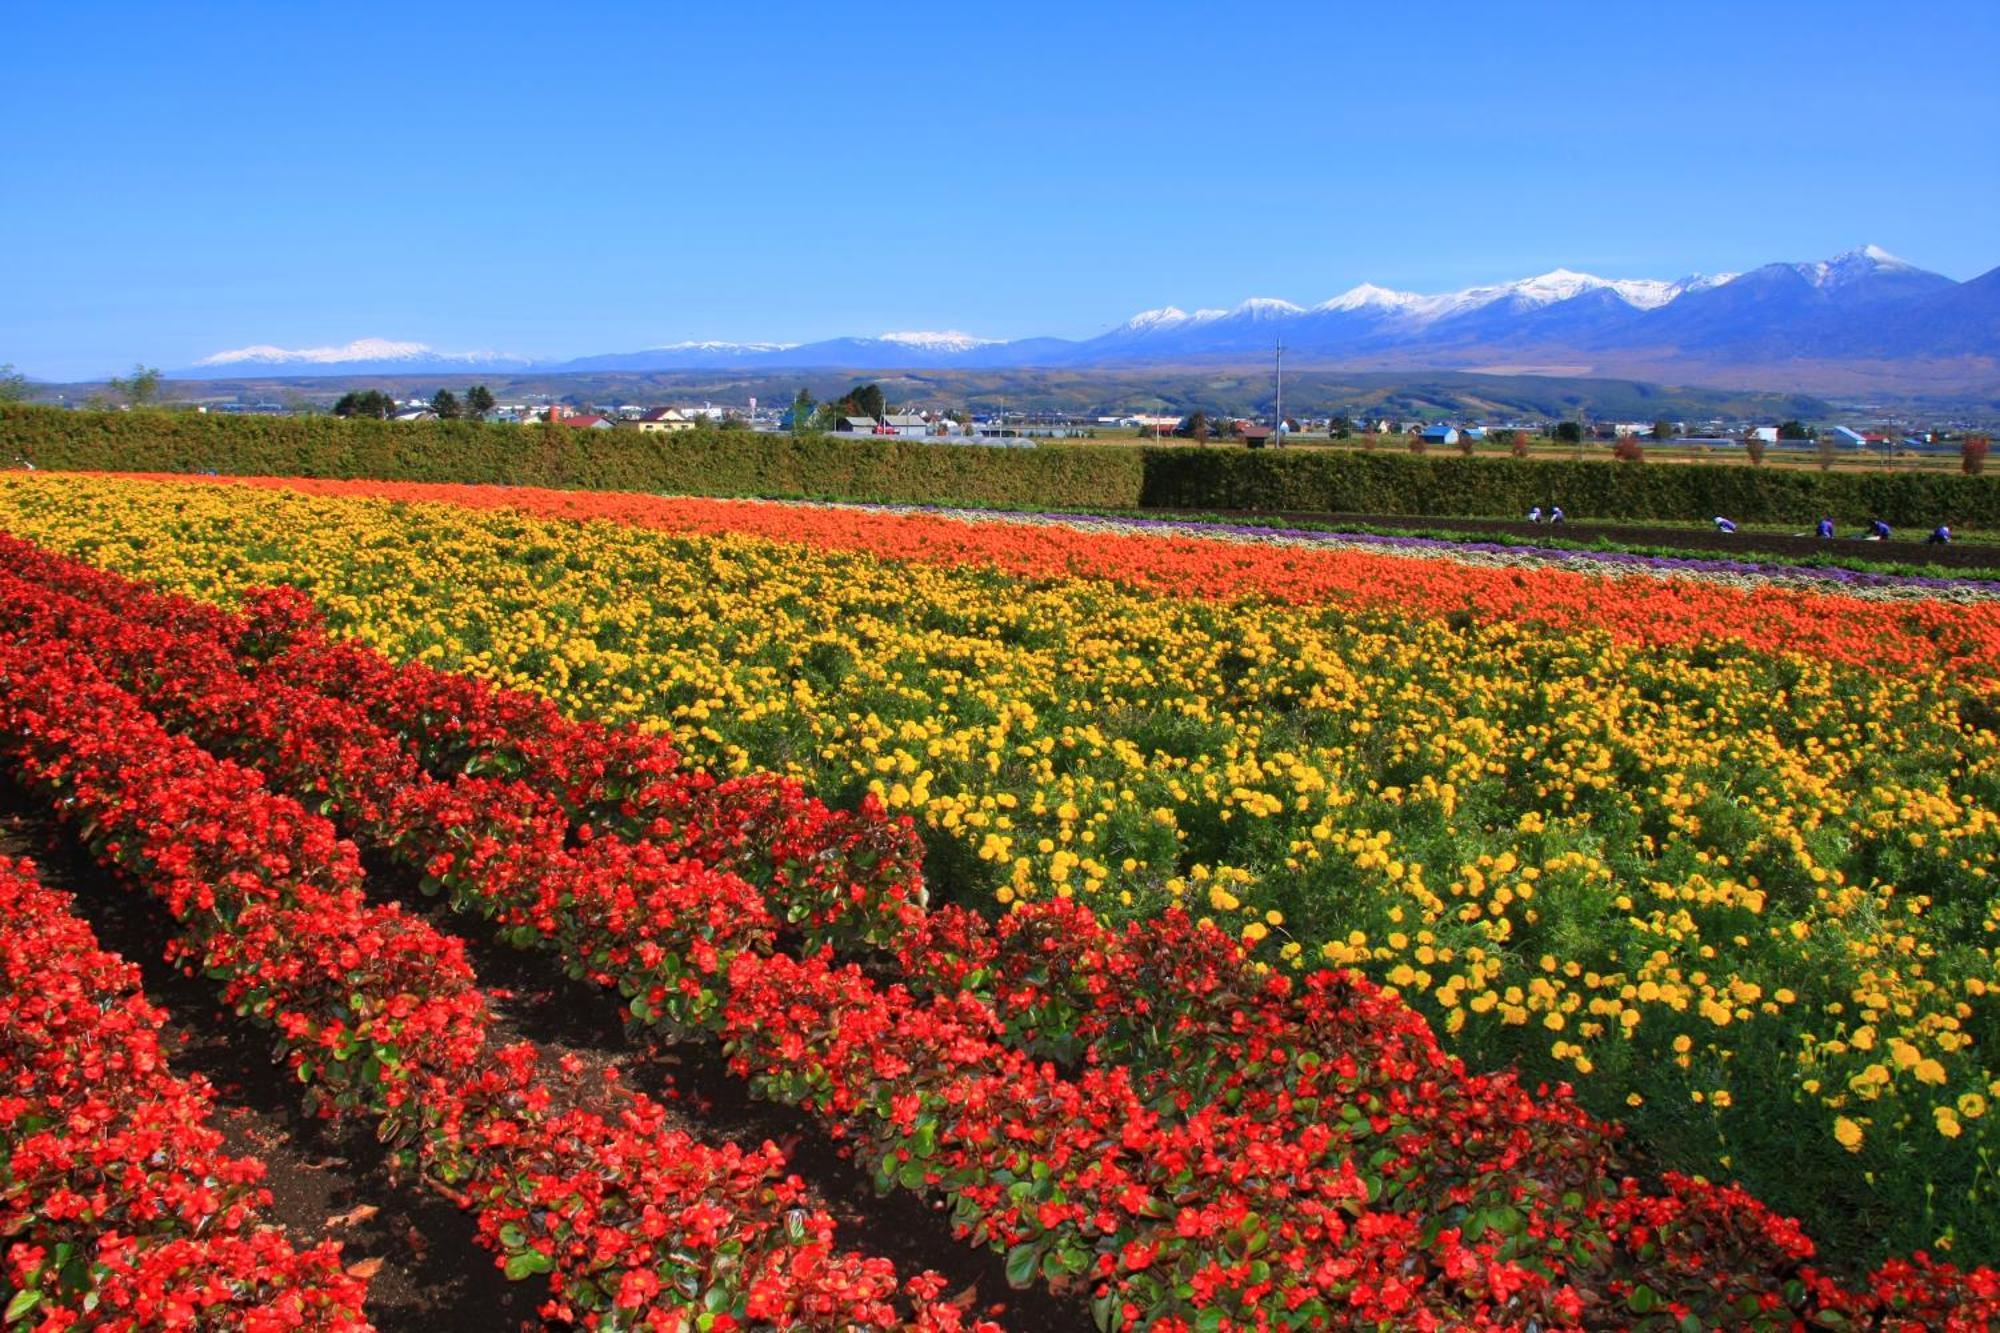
(1278, 426)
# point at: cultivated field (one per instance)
(1211, 931)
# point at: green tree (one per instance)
(1568, 432)
(13, 385)
(365, 403)
(445, 404)
(863, 400)
(1795, 430)
(478, 401)
(802, 412)
(141, 388)
(1663, 429)
(1195, 426)
(1340, 428)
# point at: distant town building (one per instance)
(1439, 434)
(661, 421)
(908, 424)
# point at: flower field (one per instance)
(1170, 910)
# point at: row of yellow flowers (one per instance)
(1743, 901)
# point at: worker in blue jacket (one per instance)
(1940, 535)
(1878, 531)
(1826, 528)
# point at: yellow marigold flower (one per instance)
(1847, 1133)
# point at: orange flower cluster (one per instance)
(1900, 635)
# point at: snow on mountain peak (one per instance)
(1368, 296)
(1852, 264)
(949, 340)
(1166, 317)
(1171, 317)
(711, 345)
(1267, 307)
(361, 349)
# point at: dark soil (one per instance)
(332, 1181)
(1749, 545)
(326, 1181)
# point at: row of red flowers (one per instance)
(1073, 1179)
(810, 1032)
(635, 1222)
(118, 1206)
(1916, 635)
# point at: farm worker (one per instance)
(1556, 514)
(1878, 531)
(1535, 514)
(1826, 528)
(1723, 525)
(1940, 535)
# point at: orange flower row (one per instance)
(1902, 635)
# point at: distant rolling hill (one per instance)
(1864, 321)
(1091, 391)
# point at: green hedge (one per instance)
(1407, 484)
(714, 462)
(697, 462)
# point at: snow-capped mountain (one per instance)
(363, 356)
(1865, 304)
(1864, 308)
(949, 341)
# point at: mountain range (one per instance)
(1861, 320)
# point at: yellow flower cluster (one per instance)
(1755, 886)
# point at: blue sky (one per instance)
(561, 180)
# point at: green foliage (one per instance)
(1795, 430)
(714, 461)
(13, 385)
(863, 400)
(366, 403)
(445, 404)
(478, 401)
(141, 388)
(706, 461)
(1389, 483)
(1567, 432)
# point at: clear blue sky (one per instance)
(567, 179)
